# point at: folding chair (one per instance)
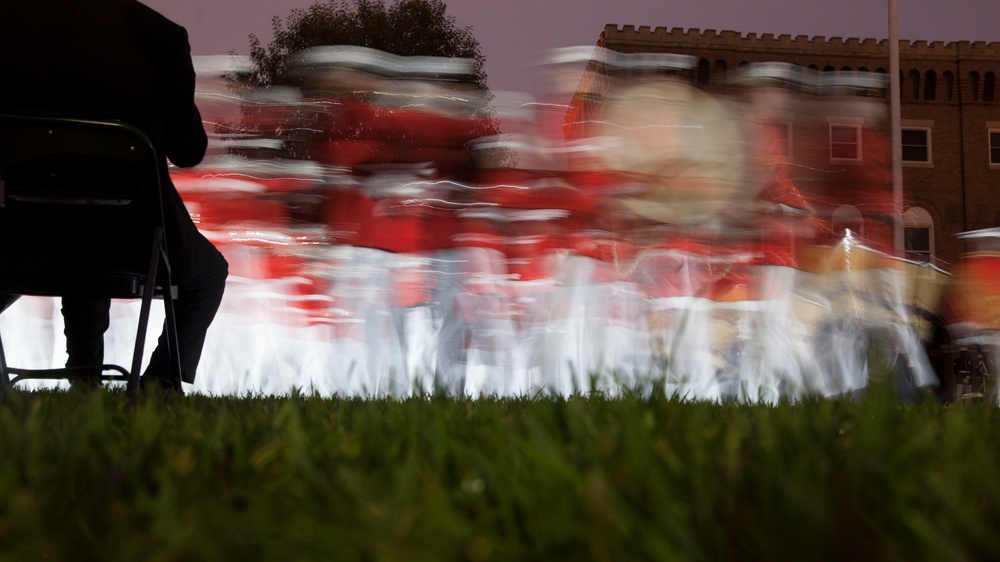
(81, 214)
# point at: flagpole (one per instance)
(895, 129)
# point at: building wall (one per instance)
(959, 188)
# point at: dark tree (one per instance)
(406, 28)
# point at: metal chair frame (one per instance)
(78, 164)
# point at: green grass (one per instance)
(92, 476)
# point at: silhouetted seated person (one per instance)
(119, 60)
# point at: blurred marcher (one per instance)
(963, 370)
(119, 60)
(983, 370)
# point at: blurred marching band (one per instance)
(392, 230)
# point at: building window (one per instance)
(949, 84)
(847, 220)
(776, 139)
(918, 243)
(918, 235)
(989, 84)
(916, 144)
(974, 85)
(845, 142)
(915, 83)
(994, 146)
(703, 73)
(720, 73)
(930, 85)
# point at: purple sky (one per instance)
(513, 32)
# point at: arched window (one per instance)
(915, 83)
(930, 85)
(862, 69)
(989, 84)
(885, 91)
(845, 68)
(974, 85)
(918, 234)
(949, 85)
(813, 67)
(848, 218)
(720, 73)
(703, 72)
(828, 68)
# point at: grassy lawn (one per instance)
(88, 475)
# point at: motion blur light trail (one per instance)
(391, 230)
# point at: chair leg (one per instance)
(173, 344)
(147, 301)
(5, 301)
(170, 314)
(140, 340)
(5, 383)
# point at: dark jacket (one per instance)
(108, 59)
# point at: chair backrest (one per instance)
(78, 198)
(60, 160)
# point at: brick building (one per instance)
(950, 112)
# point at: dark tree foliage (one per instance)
(406, 28)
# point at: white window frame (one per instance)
(918, 217)
(929, 146)
(990, 148)
(857, 135)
